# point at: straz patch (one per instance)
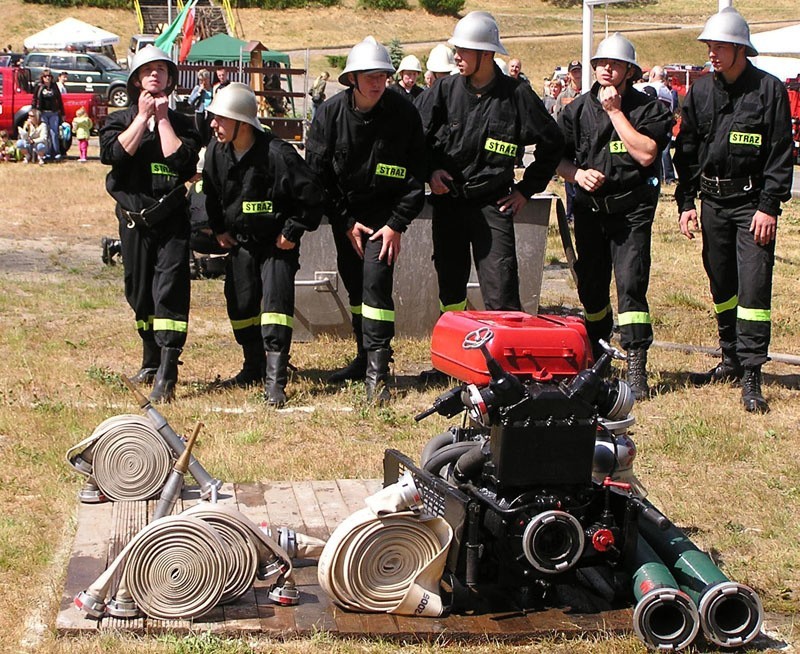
(501, 147)
(257, 206)
(161, 169)
(388, 170)
(745, 138)
(617, 147)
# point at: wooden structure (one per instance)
(314, 508)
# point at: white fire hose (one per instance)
(180, 567)
(388, 557)
(126, 457)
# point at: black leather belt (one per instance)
(157, 212)
(717, 187)
(472, 190)
(623, 201)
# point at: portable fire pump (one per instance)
(538, 486)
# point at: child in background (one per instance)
(82, 128)
(8, 151)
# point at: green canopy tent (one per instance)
(222, 47)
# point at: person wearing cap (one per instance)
(367, 147)
(734, 151)
(261, 197)
(152, 152)
(573, 86)
(614, 134)
(476, 123)
(407, 74)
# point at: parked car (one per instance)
(88, 72)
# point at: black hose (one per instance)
(447, 455)
(469, 464)
(434, 444)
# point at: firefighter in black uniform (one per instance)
(260, 199)
(368, 149)
(153, 152)
(614, 135)
(734, 149)
(475, 124)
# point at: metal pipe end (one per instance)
(124, 609)
(94, 607)
(91, 494)
(666, 619)
(731, 614)
(286, 595)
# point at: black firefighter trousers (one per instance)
(740, 274)
(459, 224)
(259, 292)
(157, 281)
(620, 243)
(369, 284)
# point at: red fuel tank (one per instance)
(542, 348)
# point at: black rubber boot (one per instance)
(111, 248)
(166, 376)
(253, 370)
(752, 398)
(356, 369)
(433, 377)
(151, 360)
(637, 374)
(727, 370)
(276, 378)
(377, 376)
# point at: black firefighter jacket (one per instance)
(592, 142)
(478, 137)
(269, 191)
(371, 164)
(138, 181)
(733, 131)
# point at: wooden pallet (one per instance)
(314, 508)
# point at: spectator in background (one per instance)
(515, 70)
(47, 99)
(657, 81)
(199, 100)
(430, 78)
(61, 83)
(82, 128)
(317, 92)
(572, 89)
(222, 77)
(8, 149)
(33, 138)
(554, 88)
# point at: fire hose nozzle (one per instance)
(91, 494)
(271, 569)
(286, 595)
(94, 607)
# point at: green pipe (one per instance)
(731, 613)
(664, 617)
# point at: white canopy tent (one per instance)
(782, 67)
(70, 32)
(785, 40)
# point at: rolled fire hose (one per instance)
(125, 456)
(180, 567)
(388, 557)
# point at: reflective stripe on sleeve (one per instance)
(170, 325)
(727, 305)
(597, 317)
(277, 319)
(244, 323)
(634, 318)
(754, 315)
